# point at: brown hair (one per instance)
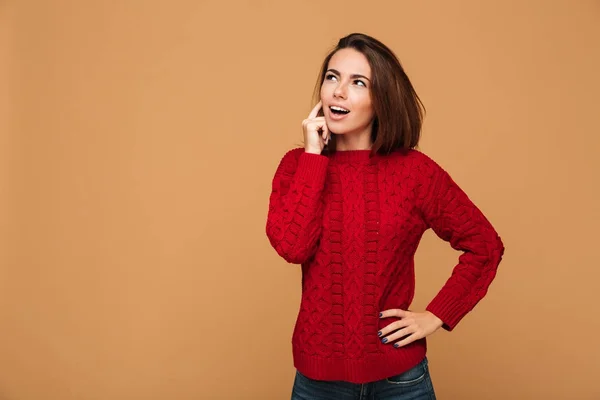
(398, 110)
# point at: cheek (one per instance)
(366, 108)
(324, 91)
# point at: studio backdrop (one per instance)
(138, 141)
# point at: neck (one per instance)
(353, 142)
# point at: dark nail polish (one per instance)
(380, 315)
(396, 345)
(379, 333)
(384, 340)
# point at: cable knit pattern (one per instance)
(354, 223)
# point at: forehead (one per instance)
(349, 61)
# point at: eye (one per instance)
(359, 83)
(329, 77)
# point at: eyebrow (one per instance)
(353, 76)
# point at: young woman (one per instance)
(351, 207)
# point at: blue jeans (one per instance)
(414, 384)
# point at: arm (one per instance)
(295, 206)
(454, 218)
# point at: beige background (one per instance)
(137, 147)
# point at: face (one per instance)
(346, 94)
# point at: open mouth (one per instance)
(339, 110)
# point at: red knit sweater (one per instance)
(354, 223)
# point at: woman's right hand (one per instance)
(316, 134)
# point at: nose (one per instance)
(340, 91)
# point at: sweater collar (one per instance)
(350, 156)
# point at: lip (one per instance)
(336, 117)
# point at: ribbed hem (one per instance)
(312, 168)
(448, 309)
(363, 370)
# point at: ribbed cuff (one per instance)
(448, 309)
(312, 169)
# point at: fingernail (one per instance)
(380, 315)
(384, 340)
(396, 345)
(379, 333)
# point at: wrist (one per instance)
(312, 151)
(437, 320)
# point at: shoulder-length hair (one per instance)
(397, 108)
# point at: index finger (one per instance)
(395, 312)
(315, 110)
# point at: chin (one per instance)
(339, 128)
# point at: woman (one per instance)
(351, 207)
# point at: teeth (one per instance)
(336, 108)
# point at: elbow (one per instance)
(494, 245)
(294, 258)
(499, 245)
(292, 255)
(489, 252)
(496, 250)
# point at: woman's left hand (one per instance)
(412, 326)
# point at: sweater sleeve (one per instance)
(295, 215)
(454, 218)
